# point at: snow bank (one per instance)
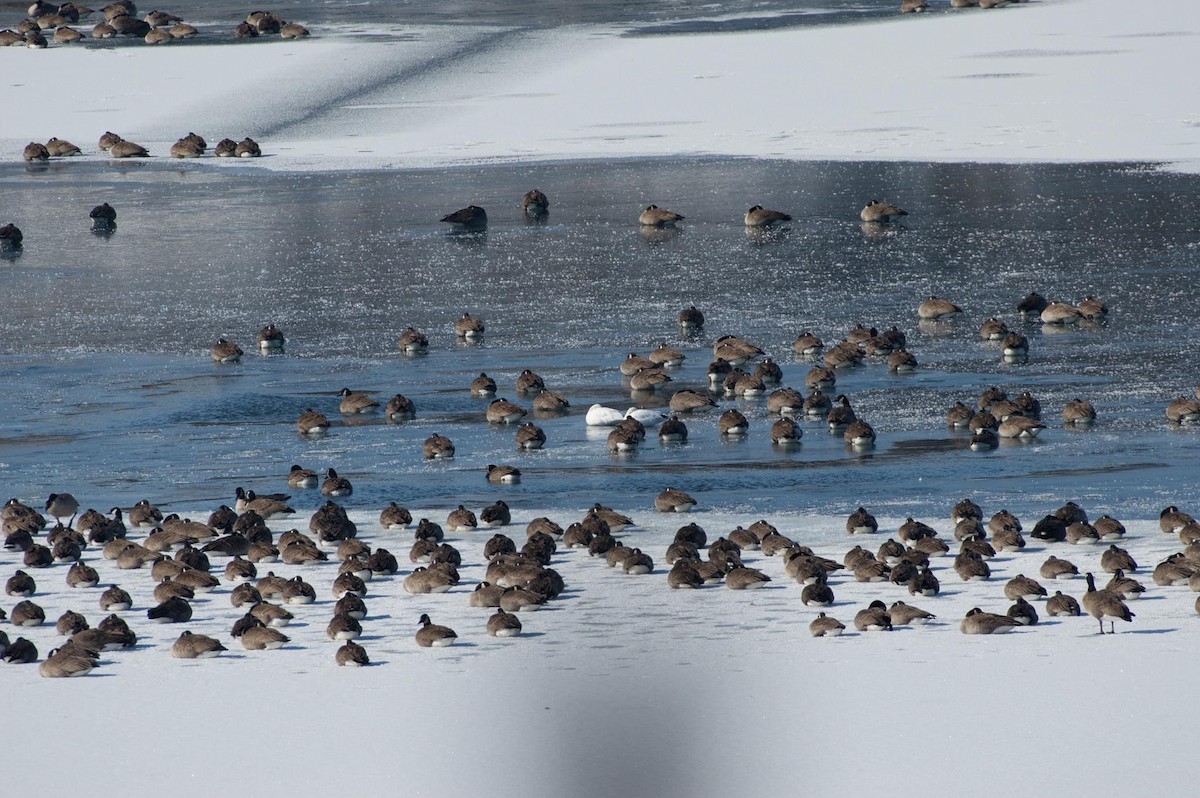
(1058, 80)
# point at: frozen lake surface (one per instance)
(111, 391)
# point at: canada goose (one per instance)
(469, 327)
(182, 30)
(82, 575)
(20, 585)
(841, 414)
(901, 361)
(461, 520)
(128, 149)
(225, 148)
(1059, 314)
(336, 486)
(1125, 587)
(1022, 586)
(312, 423)
(265, 506)
(983, 440)
(876, 211)
(654, 216)
(978, 622)
(1089, 308)
(159, 19)
(535, 204)
(937, 308)
(1174, 571)
(824, 626)
(1020, 427)
(502, 411)
(433, 636)
(262, 638)
(495, 515)
(1061, 605)
(64, 663)
(690, 318)
(1082, 533)
(736, 351)
(20, 652)
(874, 618)
(758, 216)
(913, 6)
(1079, 412)
(902, 614)
(353, 403)
(503, 474)
(649, 380)
(471, 217)
(1183, 410)
(688, 401)
(673, 500)
(194, 646)
(36, 151)
(175, 609)
(1109, 528)
(861, 522)
(247, 148)
(1172, 519)
(1104, 603)
(743, 578)
(859, 434)
(395, 517)
(1055, 568)
(62, 505)
(1117, 559)
(733, 422)
(26, 613)
(412, 341)
(114, 599)
(343, 627)
(746, 386)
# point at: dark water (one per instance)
(109, 391)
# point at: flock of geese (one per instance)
(182, 558)
(192, 145)
(121, 20)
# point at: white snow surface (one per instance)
(622, 686)
(1056, 80)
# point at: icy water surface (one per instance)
(678, 16)
(109, 391)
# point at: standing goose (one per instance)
(876, 211)
(654, 216)
(1101, 604)
(758, 216)
(432, 636)
(62, 505)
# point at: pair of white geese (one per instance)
(601, 416)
